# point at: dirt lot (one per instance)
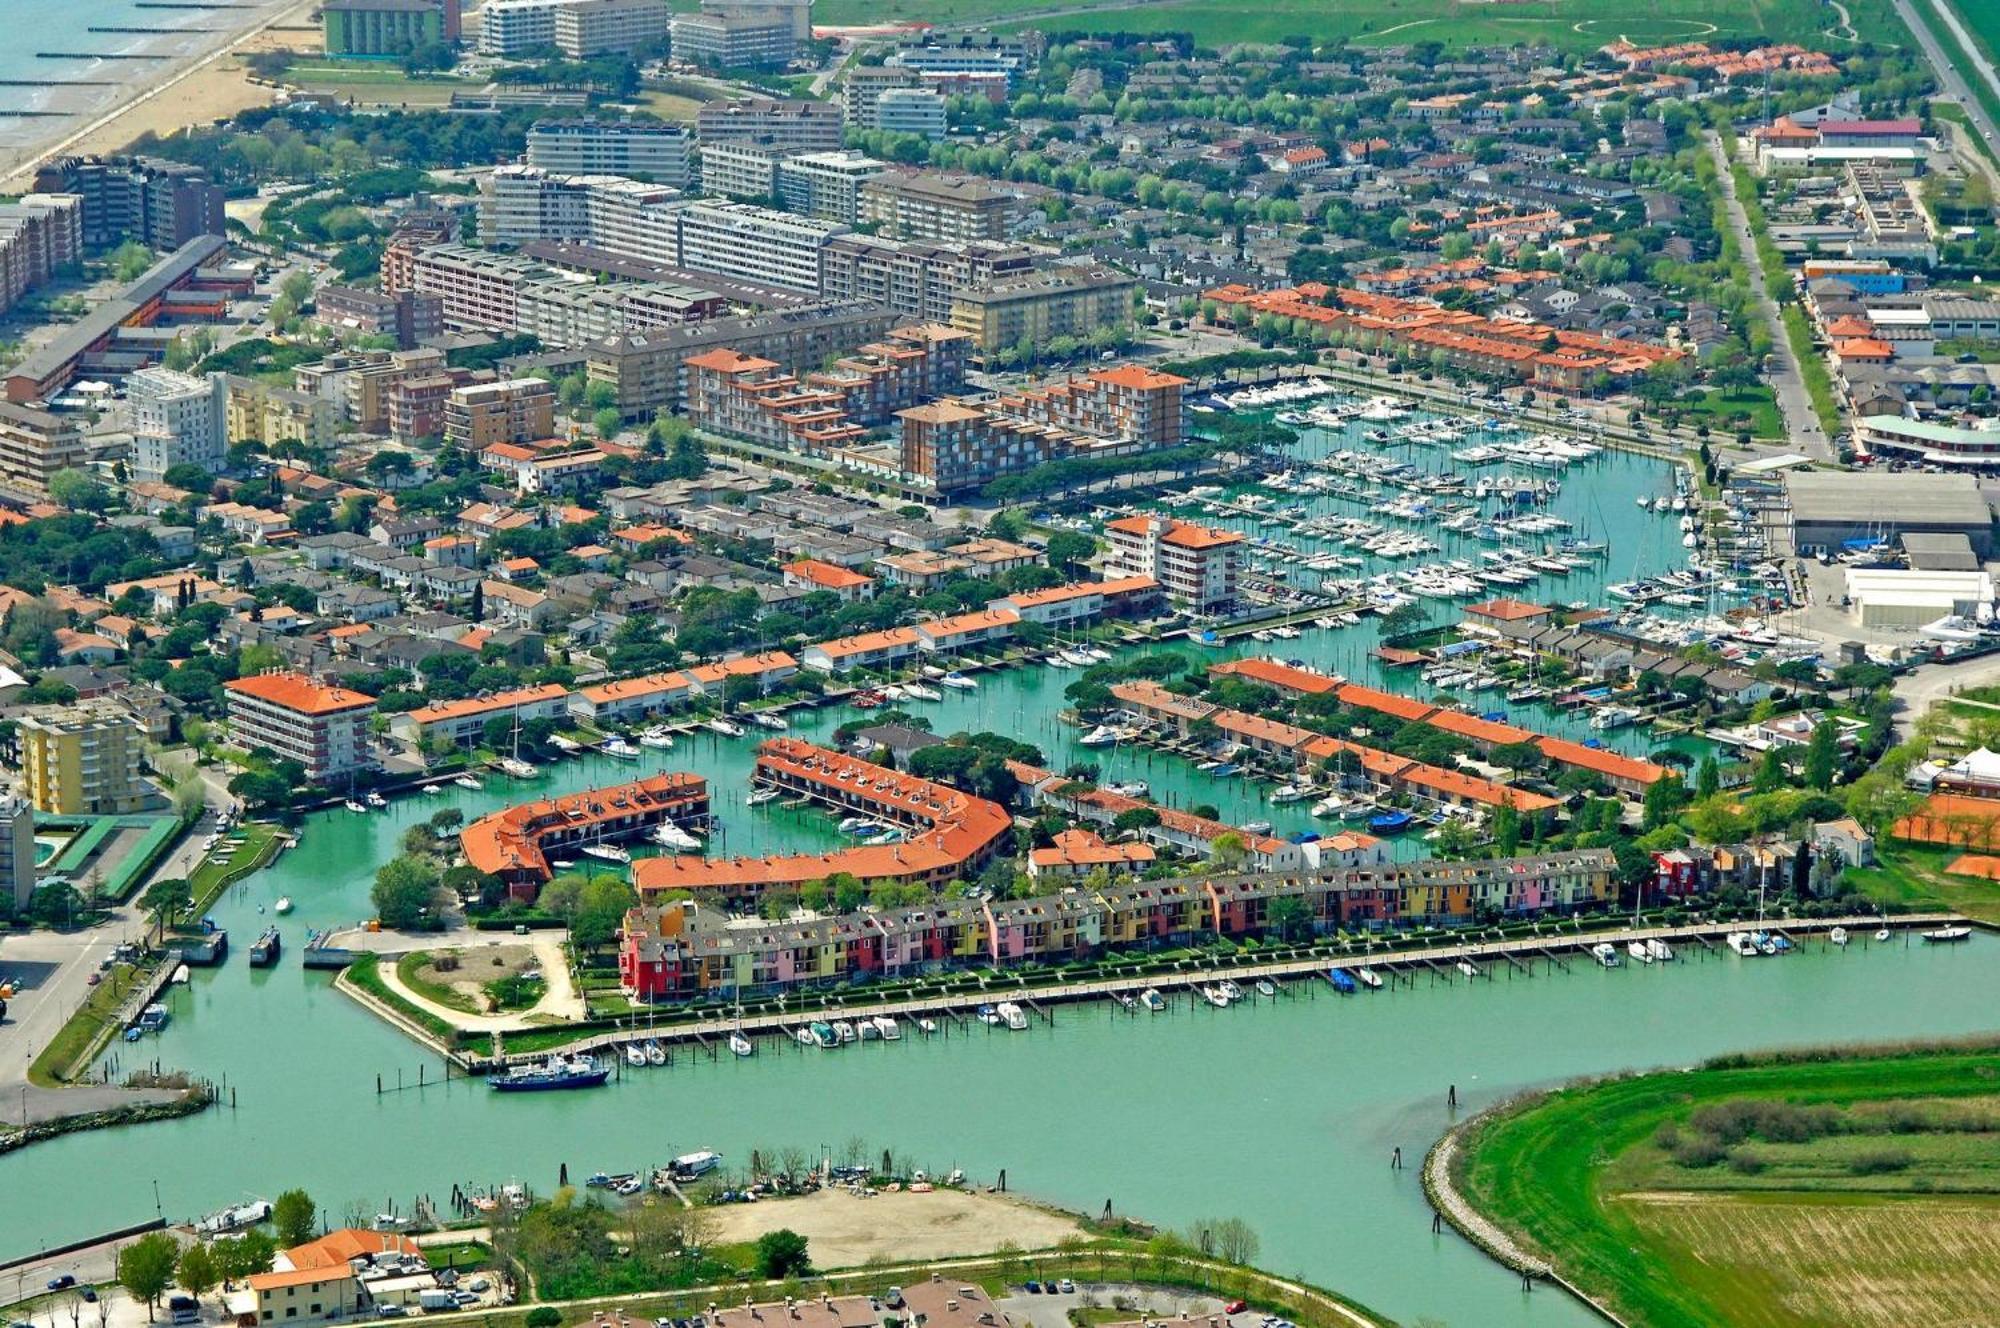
(843, 1231)
(476, 968)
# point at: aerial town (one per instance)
(571, 571)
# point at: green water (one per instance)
(1283, 1115)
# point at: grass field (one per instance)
(375, 84)
(1721, 410)
(71, 1050)
(1886, 1216)
(1570, 24)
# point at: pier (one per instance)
(1556, 948)
(149, 32)
(96, 55)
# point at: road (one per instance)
(1921, 688)
(1794, 402)
(56, 967)
(1948, 76)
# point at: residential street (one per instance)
(1794, 403)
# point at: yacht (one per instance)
(355, 806)
(655, 1053)
(675, 838)
(959, 681)
(1230, 990)
(608, 852)
(1640, 951)
(468, 782)
(1332, 805)
(764, 719)
(515, 766)
(740, 1045)
(916, 691)
(758, 797)
(1101, 736)
(1740, 942)
(656, 737)
(1012, 1015)
(635, 1055)
(1291, 793)
(725, 727)
(620, 749)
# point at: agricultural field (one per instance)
(1579, 25)
(1982, 19)
(1800, 1190)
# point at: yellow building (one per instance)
(266, 415)
(82, 760)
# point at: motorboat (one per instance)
(916, 691)
(726, 728)
(843, 1031)
(959, 681)
(283, 906)
(1291, 793)
(1265, 987)
(621, 750)
(557, 1072)
(656, 737)
(355, 806)
(1605, 953)
(1152, 1000)
(432, 790)
(758, 797)
(1230, 990)
(1660, 950)
(1012, 1015)
(1341, 981)
(635, 1055)
(234, 1219)
(1640, 951)
(866, 1028)
(1333, 805)
(805, 1038)
(1882, 934)
(1101, 736)
(468, 782)
(740, 1045)
(655, 1053)
(675, 838)
(1214, 996)
(764, 719)
(1838, 936)
(887, 1027)
(1467, 967)
(376, 800)
(608, 852)
(1368, 978)
(1740, 942)
(823, 1035)
(988, 1015)
(1125, 999)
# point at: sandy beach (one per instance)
(206, 86)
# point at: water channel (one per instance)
(1284, 1113)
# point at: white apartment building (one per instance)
(1196, 566)
(826, 185)
(745, 170)
(658, 152)
(755, 244)
(587, 28)
(522, 204)
(323, 728)
(177, 419)
(513, 27)
(909, 111)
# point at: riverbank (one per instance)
(1845, 1186)
(207, 85)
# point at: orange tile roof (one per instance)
(831, 575)
(1477, 729)
(1187, 536)
(1279, 675)
(1505, 609)
(1388, 703)
(1139, 376)
(481, 705)
(653, 684)
(295, 691)
(1614, 764)
(509, 842)
(866, 642)
(964, 624)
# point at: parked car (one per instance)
(1033, 1288)
(1235, 1307)
(63, 1282)
(1066, 1287)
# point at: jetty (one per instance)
(1552, 946)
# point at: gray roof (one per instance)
(1886, 498)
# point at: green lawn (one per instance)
(1913, 876)
(1581, 1175)
(71, 1050)
(1722, 410)
(1577, 25)
(410, 968)
(210, 879)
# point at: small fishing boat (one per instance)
(376, 800)
(1640, 951)
(1740, 942)
(432, 790)
(1368, 978)
(1946, 935)
(1390, 822)
(823, 1034)
(1341, 980)
(764, 719)
(1605, 953)
(805, 1038)
(844, 1032)
(655, 1053)
(1882, 934)
(1265, 987)
(468, 782)
(740, 1045)
(1467, 967)
(283, 906)
(927, 1026)
(1230, 990)
(1838, 936)
(1214, 996)
(987, 1015)
(1152, 1000)
(724, 727)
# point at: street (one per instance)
(1948, 77)
(1794, 403)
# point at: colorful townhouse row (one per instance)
(1305, 749)
(1628, 775)
(682, 951)
(947, 834)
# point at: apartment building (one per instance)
(1131, 403)
(755, 244)
(516, 410)
(40, 235)
(260, 413)
(800, 126)
(161, 204)
(17, 851)
(1197, 567)
(978, 53)
(35, 444)
(516, 27)
(861, 85)
(82, 760)
(1036, 306)
(910, 111)
(177, 419)
(405, 316)
(646, 149)
(589, 28)
(826, 185)
(735, 34)
(914, 278)
(648, 370)
(322, 727)
(745, 169)
(478, 289)
(386, 27)
(415, 232)
(928, 205)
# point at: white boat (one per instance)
(844, 1031)
(432, 790)
(635, 1055)
(1230, 990)
(1333, 805)
(959, 681)
(675, 838)
(1740, 942)
(1660, 950)
(283, 906)
(764, 719)
(916, 691)
(656, 737)
(621, 750)
(1152, 1000)
(569, 746)
(1012, 1015)
(180, 975)
(1838, 936)
(468, 782)
(741, 1045)
(1101, 736)
(805, 1038)
(724, 727)
(1467, 967)
(927, 1026)
(1083, 659)
(1369, 978)
(376, 800)
(887, 1026)
(758, 797)
(655, 1053)
(354, 806)
(234, 1219)
(1214, 996)
(515, 766)
(1882, 935)
(1265, 987)
(1605, 953)
(608, 852)
(1946, 935)
(1291, 793)
(1640, 951)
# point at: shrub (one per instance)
(1746, 1162)
(544, 1316)
(1698, 1152)
(1880, 1162)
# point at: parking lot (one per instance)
(1051, 1309)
